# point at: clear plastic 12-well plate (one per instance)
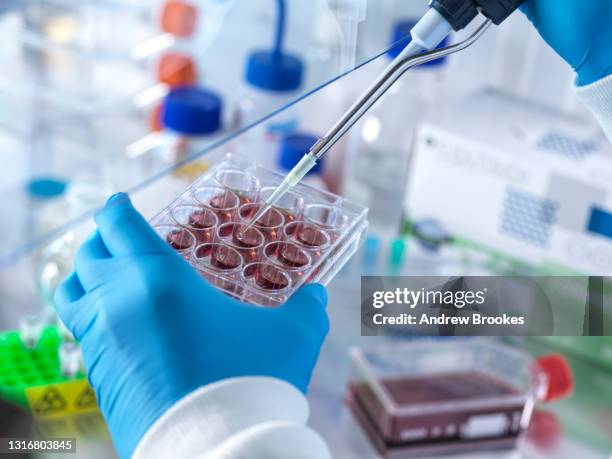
(307, 237)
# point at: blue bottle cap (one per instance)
(274, 71)
(401, 30)
(293, 147)
(46, 187)
(192, 111)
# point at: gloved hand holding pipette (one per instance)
(579, 30)
(181, 370)
(153, 332)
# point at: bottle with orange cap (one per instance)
(177, 66)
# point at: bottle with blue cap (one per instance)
(376, 168)
(273, 79)
(64, 201)
(192, 121)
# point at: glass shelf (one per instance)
(78, 112)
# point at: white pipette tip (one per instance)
(296, 174)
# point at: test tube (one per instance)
(248, 242)
(30, 329)
(221, 201)
(290, 257)
(291, 204)
(71, 359)
(270, 223)
(179, 238)
(327, 217)
(201, 221)
(308, 237)
(220, 265)
(266, 284)
(243, 184)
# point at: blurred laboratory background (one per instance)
(482, 163)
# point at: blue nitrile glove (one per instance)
(152, 330)
(579, 30)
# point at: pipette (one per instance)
(443, 17)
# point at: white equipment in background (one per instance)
(520, 179)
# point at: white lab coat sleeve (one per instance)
(598, 97)
(236, 418)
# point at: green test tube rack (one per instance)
(22, 368)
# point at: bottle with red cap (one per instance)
(430, 397)
(557, 375)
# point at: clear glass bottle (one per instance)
(54, 261)
(336, 37)
(376, 168)
(273, 80)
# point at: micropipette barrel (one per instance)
(427, 34)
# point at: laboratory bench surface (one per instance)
(333, 420)
(580, 416)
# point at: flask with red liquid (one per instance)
(446, 396)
